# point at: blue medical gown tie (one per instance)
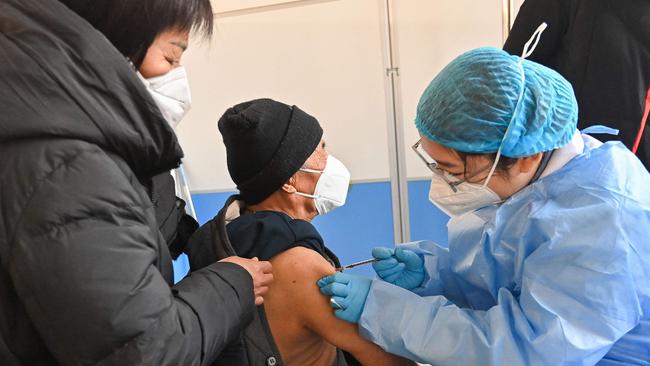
(557, 275)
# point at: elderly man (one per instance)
(277, 158)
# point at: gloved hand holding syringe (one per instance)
(355, 264)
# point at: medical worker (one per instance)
(549, 237)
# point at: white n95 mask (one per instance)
(171, 92)
(332, 186)
(467, 198)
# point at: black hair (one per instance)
(132, 25)
(504, 164)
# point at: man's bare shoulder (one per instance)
(301, 263)
(295, 273)
(293, 304)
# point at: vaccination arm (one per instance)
(300, 268)
(575, 302)
(83, 263)
(556, 13)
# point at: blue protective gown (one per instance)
(559, 274)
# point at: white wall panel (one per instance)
(431, 33)
(325, 57)
(518, 4)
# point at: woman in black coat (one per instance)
(85, 273)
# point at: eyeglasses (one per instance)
(433, 166)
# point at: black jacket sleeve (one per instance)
(201, 247)
(556, 13)
(85, 264)
(174, 223)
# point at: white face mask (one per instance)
(467, 198)
(171, 92)
(332, 186)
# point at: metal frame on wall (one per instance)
(397, 161)
(507, 17)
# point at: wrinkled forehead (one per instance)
(318, 158)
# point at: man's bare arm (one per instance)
(306, 266)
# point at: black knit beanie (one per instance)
(266, 143)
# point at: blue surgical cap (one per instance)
(469, 105)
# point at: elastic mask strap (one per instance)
(307, 170)
(494, 167)
(305, 195)
(528, 50)
(546, 157)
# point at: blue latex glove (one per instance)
(348, 294)
(401, 267)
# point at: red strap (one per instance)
(643, 122)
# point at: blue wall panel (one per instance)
(353, 230)
(207, 205)
(427, 221)
(366, 221)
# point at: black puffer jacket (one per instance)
(85, 275)
(603, 48)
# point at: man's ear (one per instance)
(290, 186)
(529, 163)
